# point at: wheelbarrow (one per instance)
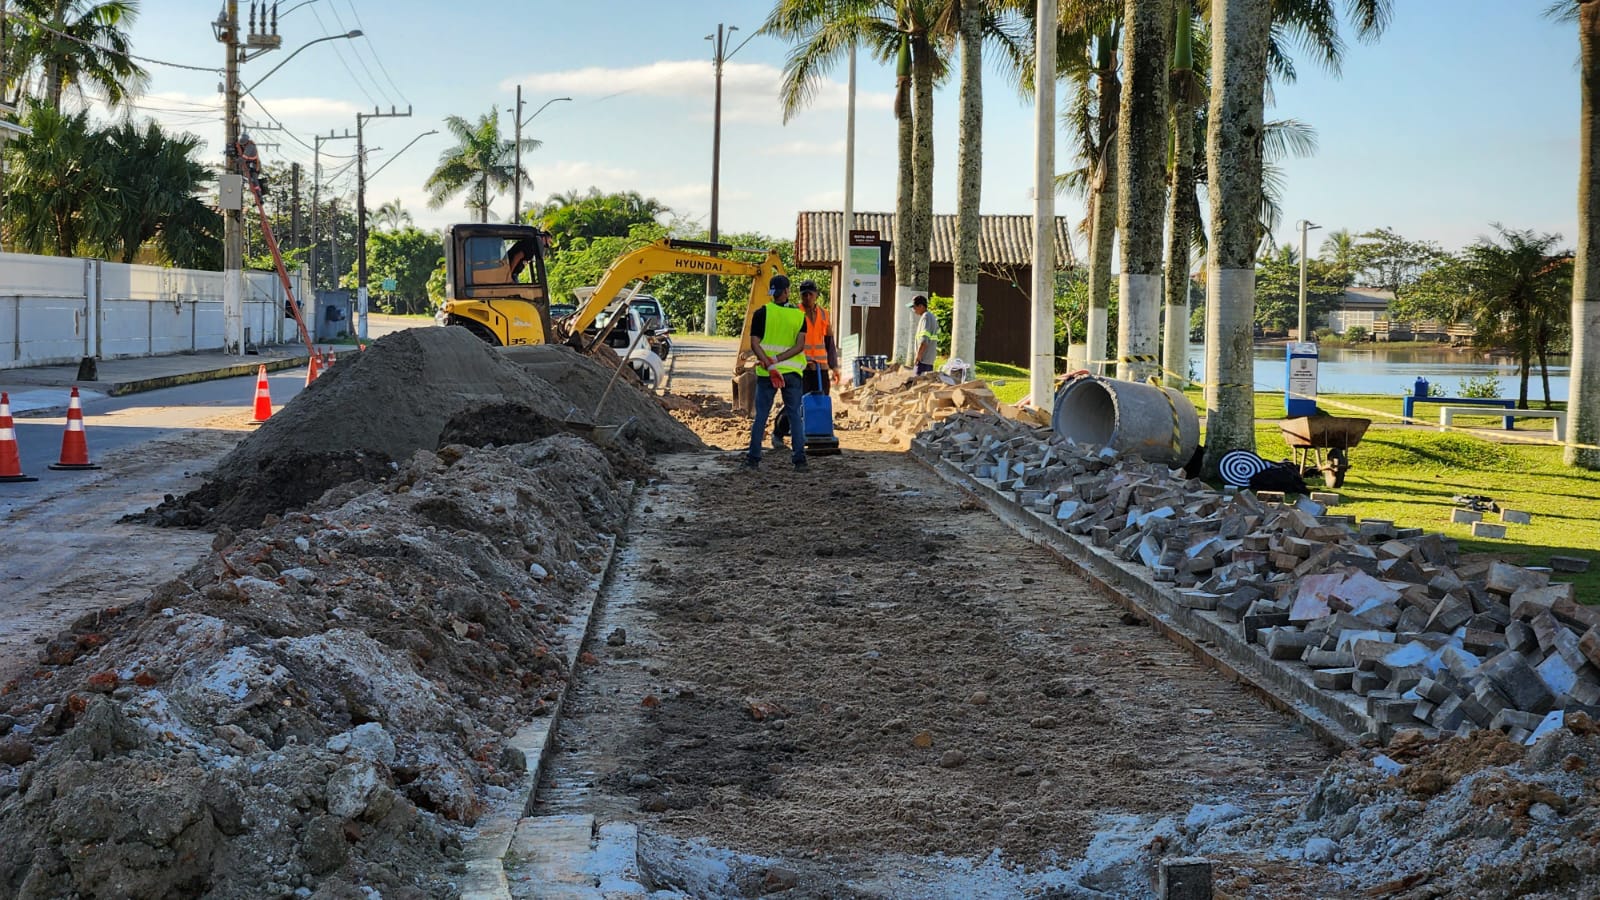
(1309, 436)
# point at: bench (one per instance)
(1410, 401)
(1447, 414)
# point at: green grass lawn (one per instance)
(1409, 475)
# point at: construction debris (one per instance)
(899, 404)
(1387, 620)
(320, 704)
(417, 390)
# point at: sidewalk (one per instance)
(46, 388)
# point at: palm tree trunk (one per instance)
(53, 68)
(1239, 35)
(1103, 205)
(1544, 364)
(922, 155)
(1583, 397)
(1141, 183)
(904, 228)
(1524, 369)
(969, 188)
(1180, 209)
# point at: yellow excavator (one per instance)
(496, 285)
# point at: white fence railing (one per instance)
(56, 310)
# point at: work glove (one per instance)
(777, 378)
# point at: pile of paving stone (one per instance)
(1390, 614)
(897, 403)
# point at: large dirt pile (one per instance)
(320, 704)
(412, 390)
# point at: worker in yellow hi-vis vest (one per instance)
(777, 340)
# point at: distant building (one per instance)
(1005, 246)
(1360, 307)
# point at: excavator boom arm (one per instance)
(670, 256)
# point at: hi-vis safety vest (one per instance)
(817, 336)
(783, 326)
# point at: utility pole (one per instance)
(1042, 359)
(294, 205)
(260, 40)
(1304, 227)
(516, 189)
(842, 310)
(316, 197)
(361, 210)
(720, 54)
(333, 216)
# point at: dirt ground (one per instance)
(854, 667)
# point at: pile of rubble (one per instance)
(1388, 621)
(321, 705)
(420, 389)
(899, 404)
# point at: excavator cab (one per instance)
(495, 283)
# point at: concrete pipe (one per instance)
(1156, 423)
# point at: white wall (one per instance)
(57, 310)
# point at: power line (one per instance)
(365, 36)
(343, 62)
(361, 59)
(148, 59)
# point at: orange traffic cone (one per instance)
(10, 459)
(312, 370)
(74, 442)
(263, 398)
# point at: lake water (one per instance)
(1372, 369)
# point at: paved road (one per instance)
(700, 364)
(63, 551)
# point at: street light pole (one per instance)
(719, 54)
(361, 211)
(1305, 226)
(516, 174)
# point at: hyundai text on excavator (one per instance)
(496, 285)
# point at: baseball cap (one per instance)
(918, 300)
(809, 285)
(778, 284)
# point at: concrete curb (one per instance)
(277, 364)
(492, 838)
(1336, 721)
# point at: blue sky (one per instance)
(1465, 113)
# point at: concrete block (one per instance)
(1311, 596)
(1184, 878)
(1528, 602)
(1482, 641)
(1507, 719)
(1198, 600)
(1486, 530)
(1451, 613)
(1286, 644)
(1254, 623)
(1569, 564)
(1515, 517)
(1575, 615)
(1521, 685)
(1433, 691)
(1326, 498)
(1447, 716)
(1333, 679)
(1522, 638)
(1364, 683)
(1589, 646)
(1310, 507)
(1395, 712)
(1586, 690)
(1318, 658)
(1557, 674)
(1506, 580)
(1472, 708)
(1377, 530)
(1465, 517)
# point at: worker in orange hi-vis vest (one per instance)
(822, 354)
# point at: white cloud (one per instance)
(750, 91)
(803, 147)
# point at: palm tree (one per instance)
(1340, 248)
(1583, 397)
(1515, 290)
(60, 44)
(1243, 43)
(55, 182)
(1141, 180)
(480, 163)
(158, 182)
(391, 216)
(1183, 214)
(969, 186)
